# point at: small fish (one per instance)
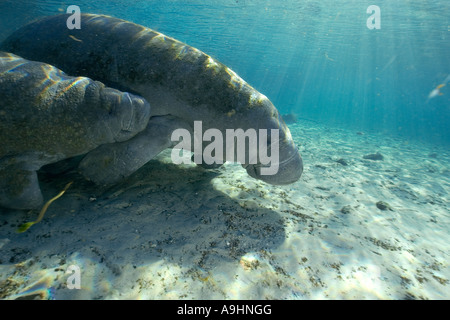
(436, 92)
(72, 37)
(327, 57)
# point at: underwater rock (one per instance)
(249, 263)
(346, 209)
(289, 118)
(374, 156)
(342, 161)
(383, 206)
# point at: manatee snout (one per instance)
(287, 170)
(280, 163)
(131, 112)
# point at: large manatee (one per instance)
(46, 116)
(181, 83)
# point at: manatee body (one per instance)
(181, 83)
(47, 116)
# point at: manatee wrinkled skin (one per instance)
(179, 82)
(47, 116)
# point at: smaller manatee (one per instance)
(47, 116)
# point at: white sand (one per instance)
(171, 232)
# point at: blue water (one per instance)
(316, 59)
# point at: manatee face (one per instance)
(285, 165)
(289, 169)
(126, 113)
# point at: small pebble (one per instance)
(346, 209)
(343, 162)
(374, 156)
(383, 206)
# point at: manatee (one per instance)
(47, 116)
(181, 83)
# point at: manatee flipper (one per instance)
(19, 187)
(113, 162)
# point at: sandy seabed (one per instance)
(351, 228)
